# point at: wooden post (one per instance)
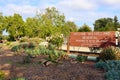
(68, 46)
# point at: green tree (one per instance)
(14, 26)
(84, 28)
(53, 15)
(116, 23)
(32, 28)
(69, 27)
(109, 27)
(106, 24)
(101, 23)
(1, 25)
(51, 22)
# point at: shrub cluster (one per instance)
(2, 75)
(24, 45)
(24, 39)
(110, 53)
(53, 54)
(112, 68)
(81, 58)
(34, 40)
(56, 40)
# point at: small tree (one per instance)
(14, 26)
(56, 40)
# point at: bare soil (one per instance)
(68, 69)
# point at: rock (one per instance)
(42, 61)
(74, 62)
(6, 72)
(48, 63)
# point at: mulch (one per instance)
(68, 69)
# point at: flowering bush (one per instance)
(56, 40)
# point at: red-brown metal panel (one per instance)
(92, 39)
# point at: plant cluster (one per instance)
(112, 68)
(15, 48)
(53, 54)
(24, 45)
(26, 59)
(81, 58)
(2, 75)
(32, 52)
(117, 53)
(24, 39)
(34, 40)
(8, 43)
(18, 79)
(110, 53)
(56, 40)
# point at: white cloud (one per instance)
(87, 10)
(15, 1)
(25, 10)
(73, 19)
(77, 4)
(111, 2)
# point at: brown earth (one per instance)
(69, 69)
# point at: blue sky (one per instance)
(79, 11)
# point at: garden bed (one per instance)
(67, 69)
